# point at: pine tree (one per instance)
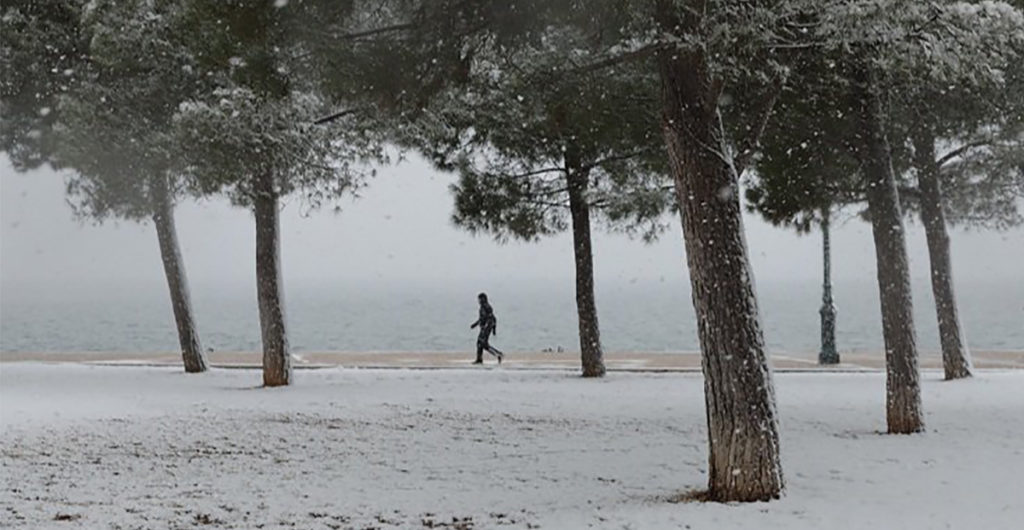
(805, 172)
(956, 124)
(694, 53)
(105, 100)
(538, 153)
(807, 160)
(42, 52)
(254, 138)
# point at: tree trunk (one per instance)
(743, 437)
(956, 359)
(177, 283)
(590, 337)
(277, 368)
(903, 390)
(828, 353)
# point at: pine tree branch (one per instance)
(961, 150)
(616, 60)
(554, 191)
(936, 13)
(909, 192)
(549, 204)
(610, 159)
(375, 31)
(748, 144)
(338, 115)
(534, 173)
(796, 45)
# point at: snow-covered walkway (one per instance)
(142, 447)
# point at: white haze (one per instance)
(400, 231)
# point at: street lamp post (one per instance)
(828, 353)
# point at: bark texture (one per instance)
(956, 359)
(743, 438)
(277, 368)
(192, 354)
(828, 353)
(903, 390)
(591, 354)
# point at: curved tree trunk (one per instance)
(903, 389)
(177, 283)
(277, 367)
(828, 353)
(743, 437)
(956, 359)
(591, 354)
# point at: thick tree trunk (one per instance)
(591, 354)
(956, 359)
(828, 353)
(177, 283)
(903, 390)
(277, 367)
(743, 437)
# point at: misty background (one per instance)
(391, 273)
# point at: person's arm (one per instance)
(474, 324)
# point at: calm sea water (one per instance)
(651, 317)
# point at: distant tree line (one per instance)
(553, 114)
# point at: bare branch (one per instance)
(961, 150)
(338, 115)
(555, 191)
(375, 31)
(616, 60)
(610, 159)
(534, 173)
(548, 204)
(747, 145)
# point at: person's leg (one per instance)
(481, 343)
(495, 352)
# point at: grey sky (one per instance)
(400, 231)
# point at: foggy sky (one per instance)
(400, 231)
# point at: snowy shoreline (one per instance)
(87, 446)
(615, 361)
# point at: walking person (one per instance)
(488, 326)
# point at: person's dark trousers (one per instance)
(481, 344)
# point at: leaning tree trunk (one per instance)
(744, 463)
(956, 359)
(174, 268)
(828, 353)
(903, 390)
(277, 368)
(590, 337)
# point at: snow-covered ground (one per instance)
(142, 447)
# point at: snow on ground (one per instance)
(141, 447)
